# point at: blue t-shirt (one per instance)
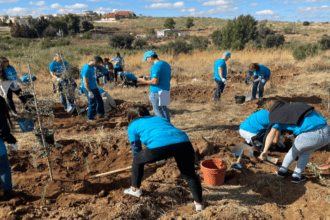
(220, 63)
(312, 121)
(154, 131)
(3, 149)
(101, 90)
(117, 60)
(256, 122)
(263, 71)
(161, 70)
(129, 76)
(10, 73)
(90, 72)
(58, 67)
(26, 78)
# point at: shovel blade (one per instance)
(239, 150)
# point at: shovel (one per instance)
(87, 183)
(239, 151)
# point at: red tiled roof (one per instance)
(110, 15)
(123, 13)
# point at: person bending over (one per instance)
(163, 140)
(261, 75)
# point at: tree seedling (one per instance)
(43, 196)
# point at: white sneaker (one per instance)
(70, 109)
(199, 208)
(130, 191)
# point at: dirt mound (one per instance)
(192, 93)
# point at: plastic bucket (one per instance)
(49, 139)
(214, 171)
(26, 125)
(240, 99)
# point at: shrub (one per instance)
(169, 23)
(150, 31)
(241, 29)
(264, 31)
(305, 23)
(169, 33)
(301, 52)
(237, 45)
(47, 43)
(288, 30)
(123, 41)
(200, 43)
(325, 42)
(253, 44)
(4, 47)
(87, 26)
(190, 22)
(50, 31)
(176, 47)
(87, 35)
(216, 37)
(274, 40)
(140, 43)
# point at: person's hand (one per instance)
(12, 147)
(224, 81)
(249, 83)
(263, 156)
(91, 95)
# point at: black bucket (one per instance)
(240, 99)
(48, 138)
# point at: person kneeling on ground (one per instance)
(108, 101)
(163, 140)
(128, 77)
(89, 86)
(5, 136)
(311, 129)
(261, 75)
(256, 124)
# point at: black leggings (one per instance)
(116, 70)
(10, 98)
(185, 159)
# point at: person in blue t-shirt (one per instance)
(261, 74)
(5, 136)
(162, 141)
(89, 86)
(118, 65)
(128, 77)
(312, 133)
(220, 75)
(66, 85)
(159, 84)
(9, 74)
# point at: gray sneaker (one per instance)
(199, 208)
(136, 193)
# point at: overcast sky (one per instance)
(281, 10)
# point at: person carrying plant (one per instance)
(118, 67)
(220, 75)
(66, 85)
(159, 84)
(261, 75)
(311, 130)
(89, 87)
(5, 136)
(8, 73)
(163, 141)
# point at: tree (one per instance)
(60, 25)
(190, 22)
(169, 23)
(15, 30)
(241, 29)
(72, 21)
(216, 37)
(87, 26)
(123, 41)
(39, 25)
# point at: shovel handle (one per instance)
(107, 173)
(239, 159)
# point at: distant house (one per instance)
(162, 33)
(50, 18)
(86, 15)
(3, 18)
(125, 14)
(26, 20)
(13, 19)
(109, 17)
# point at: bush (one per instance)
(237, 45)
(4, 47)
(50, 31)
(47, 43)
(150, 31)
(123, 41)
(216, 37)
(87, 35)
(177, 47)
(288, 30)
(87, 26)
(264, 31)
(140, 43)
(253, 44)
(200, 43)
(325, 42)
(239, 31)
(169, 23)
(301, 52)
(305, 23)
(168, 33)
(274, 40)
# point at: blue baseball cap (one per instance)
(227, 54)
(148, 54)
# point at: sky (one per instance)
(275, 10)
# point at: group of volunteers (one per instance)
(161, 138)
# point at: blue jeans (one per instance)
(95, 104)
(65, 84)
(305, 144)
(161, 111)
(261, 87)
(219, 90)
(5, 173)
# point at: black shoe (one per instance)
(280, 173)
(7, 195)
(298, 179)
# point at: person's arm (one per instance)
(220, 70)
(153, 81)
(269, 140)
(277, 137)
(85, 80)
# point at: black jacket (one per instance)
(5, 130)
(287, 113)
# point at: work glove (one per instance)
(263, 81)
(91, 95)
(224, 81)
(249, 83)
(12, 146)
